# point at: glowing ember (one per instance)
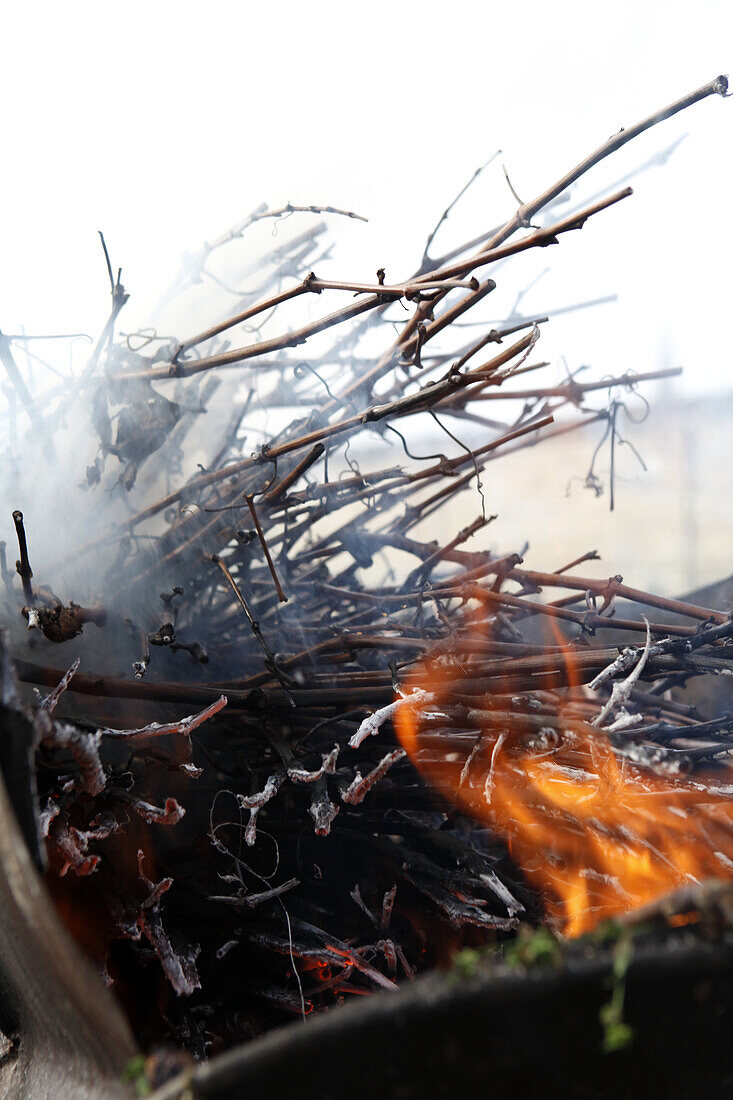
(596, 833)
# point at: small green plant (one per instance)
(466, 962)
(535, 947)
(134, 1074)
(607, 932)
(617, 1034)
(531, 947)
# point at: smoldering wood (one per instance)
(445, 1033)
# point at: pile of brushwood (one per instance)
(211, 665)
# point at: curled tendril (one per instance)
(145, 336)
(350, 462)
(591, 480)
(469, 452)
(416, 458)
(301, 369)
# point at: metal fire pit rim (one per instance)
(496, 985)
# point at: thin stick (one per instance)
(23, 566)
(297, 471)
(575, 390)
(623, 591)
(263, 542)
(525, 213)
(254, 625)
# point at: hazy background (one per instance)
(163, 124)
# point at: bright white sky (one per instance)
(165, 123)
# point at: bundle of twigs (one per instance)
(312, 862)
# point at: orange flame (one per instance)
(596, 834)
